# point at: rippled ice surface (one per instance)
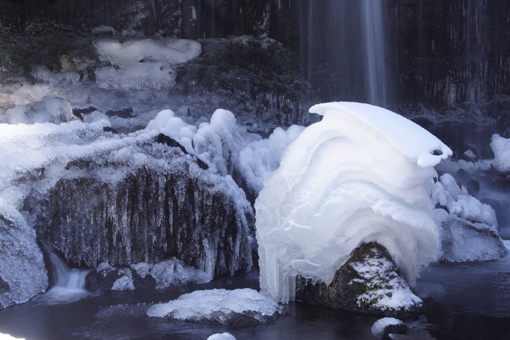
(472, 301)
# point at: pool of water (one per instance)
(467, 301)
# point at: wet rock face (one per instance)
(100, 211)
(369, 282)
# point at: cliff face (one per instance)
(439, 53)
(448, 52)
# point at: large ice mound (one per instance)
(355, 177)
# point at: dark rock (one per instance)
(393, 329)
(101, 281)
(109, 129)
(147, 282)
(473, 187)
(164, 139)
(359, 289)
(103, 211)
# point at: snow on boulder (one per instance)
(353, 178)
(240, 306)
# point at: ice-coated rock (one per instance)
(462, 240)
(239, 306)
(22, 271)
(144, 203)
(379, 326)
(355, 177)
(369, 282)
(468, 229)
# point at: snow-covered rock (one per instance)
(355, 177)
(22, 271)
(468, 229)
(501, 148)
(240, 306)
(369, 282)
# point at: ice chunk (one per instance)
(501, 148)
(220, 306)
(51, 109)
(379, 326)
(355, 177)
(447, 193)
(221, 336)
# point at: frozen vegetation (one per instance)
(240, 306)
(315, 209)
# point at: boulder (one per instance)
(22, 271)
(369, 282)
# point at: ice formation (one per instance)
(220, 306)
(501, 148)
(141, 64)
(355, 177)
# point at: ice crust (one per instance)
(355, 177)
(221, 336)
(219, 306)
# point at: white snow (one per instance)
(221, 336)
(355, 177)
(138, 64)
(385, 290)
(218, 305)
(501, 148)
(379, 326)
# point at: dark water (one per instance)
(468, 301)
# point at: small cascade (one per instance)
(68, 283)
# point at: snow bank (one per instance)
(220, 306)
(355, 177)
(140, 64)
